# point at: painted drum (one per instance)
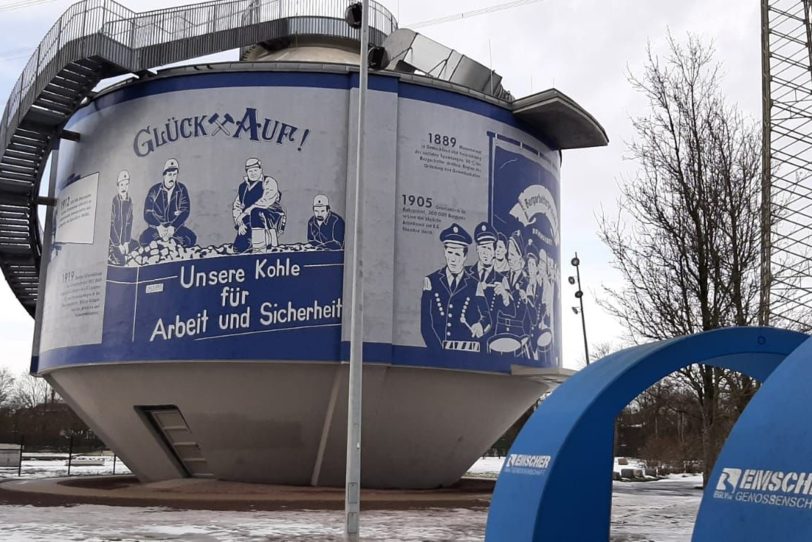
(545, 340)
(543, 346)
(507, 345)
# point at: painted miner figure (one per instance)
(454, 312)
(325, 229)
(258, 214)
(166, 210)
(490, 281)
(121, 222)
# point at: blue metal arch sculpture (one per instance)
(761, 486)
(556, 484)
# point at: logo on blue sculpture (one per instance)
(729, 480)
(533, 465)
(765, 487)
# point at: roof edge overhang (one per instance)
(564, 123)
(558, 119)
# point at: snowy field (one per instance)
(661, 511)
(53, 465)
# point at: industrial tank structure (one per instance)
(190, 294)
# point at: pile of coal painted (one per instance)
(171, 251)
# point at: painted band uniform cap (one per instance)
(455, 235)
(485, 233)
(171, 165)
(516, 239)
(123, 175)
(321, 201)
(252, 162)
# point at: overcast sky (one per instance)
(584, 48)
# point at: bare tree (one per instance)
(597, 351)
(30, 391)
(6, 386)
(670, 422)
(687, 237)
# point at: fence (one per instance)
(68, 455)
(124, 32)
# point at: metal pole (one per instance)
(808, 26)
(577, 264)
(20, 465)
(352, 499)
(70, 453)
(114, 463)
(766, 170)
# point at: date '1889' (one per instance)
(444, 140)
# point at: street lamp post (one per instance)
(352, 497)
(579, 294)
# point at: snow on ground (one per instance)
(97, 523)
(489, 467)
(55, 465)
(652, 511)
(656, 511)
(660, 511)
(486, 467)
(126, 524)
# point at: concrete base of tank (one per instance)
(285, 423)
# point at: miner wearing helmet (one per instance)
(257, 210)
(121, 222)
(166, 210)
(454, 312)
(325, 229)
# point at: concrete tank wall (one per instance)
(266, 422)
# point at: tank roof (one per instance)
(557, 118)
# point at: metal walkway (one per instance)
(96, 39)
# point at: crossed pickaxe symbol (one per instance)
(215, 119)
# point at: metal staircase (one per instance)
(96, 39)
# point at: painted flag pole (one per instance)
(352, 499)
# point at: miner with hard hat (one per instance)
(166, 209)
(257, 210)
(454, 312)
(121, 222)
(325, 229)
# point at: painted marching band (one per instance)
(502, 304)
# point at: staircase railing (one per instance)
(95, 39)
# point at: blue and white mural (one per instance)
(199, 296)
(223, 234)
(504, 304)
